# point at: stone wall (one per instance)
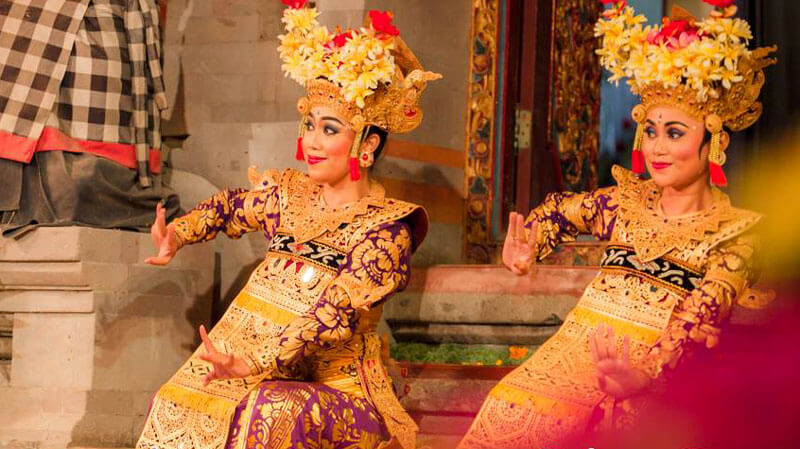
(94, 332)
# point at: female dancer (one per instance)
(679, 255)
(295, 360)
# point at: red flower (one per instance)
(294, 4)
(676, 34)
(720, 3)
(382, 22)
(339, 40)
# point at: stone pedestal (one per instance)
(485, 304)
(93, 333)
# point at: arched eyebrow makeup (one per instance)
(669, 123)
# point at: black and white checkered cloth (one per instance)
(90, 68)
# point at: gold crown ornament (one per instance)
(368, 75)
(701, 67)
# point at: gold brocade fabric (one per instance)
(667, 282)
(309, 245)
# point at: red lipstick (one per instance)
(313, 160)
(660, 165)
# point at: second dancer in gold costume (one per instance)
(679, 254)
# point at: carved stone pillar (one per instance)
(93, 333)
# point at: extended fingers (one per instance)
(520, 227)
(210, 349)
(611, 342)
(512, 233)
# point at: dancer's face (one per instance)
(326, 146)
(673, 147)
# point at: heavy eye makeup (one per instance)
(675, 133)
(330, 129)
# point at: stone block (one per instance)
(340, 5)
(20, 401)
(5, 348)
(5, 373)
(46, 244)
(41, 274)
(219, 29)
(141, 353)
(163, 281)
(532, 309)
(196, 115)
(194, 88)
(446, 395)
(100, 430)
(343, 18)
(444, 425)
(248, 113)
(231, 58)
(237, 89)
(43, 301)
(201, 8)
(53, 350)
(227, 8)
(272, 144)
(270, 26)
(104, 276)
(442, 246)
(471, 333)
(73, 401)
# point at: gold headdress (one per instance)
(369, 75)
(701, 67)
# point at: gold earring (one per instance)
(366, 159)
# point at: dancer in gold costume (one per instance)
(679, 255)
(295, 360)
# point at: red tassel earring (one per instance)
(716, 155)
(716, 159)
(718, 177)
(355, 170)
(637, 164)
(299, 154)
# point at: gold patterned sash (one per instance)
(187, 415)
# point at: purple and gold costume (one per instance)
(305, 322)
(666, 282)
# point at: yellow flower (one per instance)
(303, 19)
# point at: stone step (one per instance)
(485, 303)
(443, 398)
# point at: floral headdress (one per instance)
(368, 75)
(702, 67)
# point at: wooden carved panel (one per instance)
(576, 83)
(482, 91)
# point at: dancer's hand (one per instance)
(164, 238)
(519, 252)
(615, 374)
(226, 366)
